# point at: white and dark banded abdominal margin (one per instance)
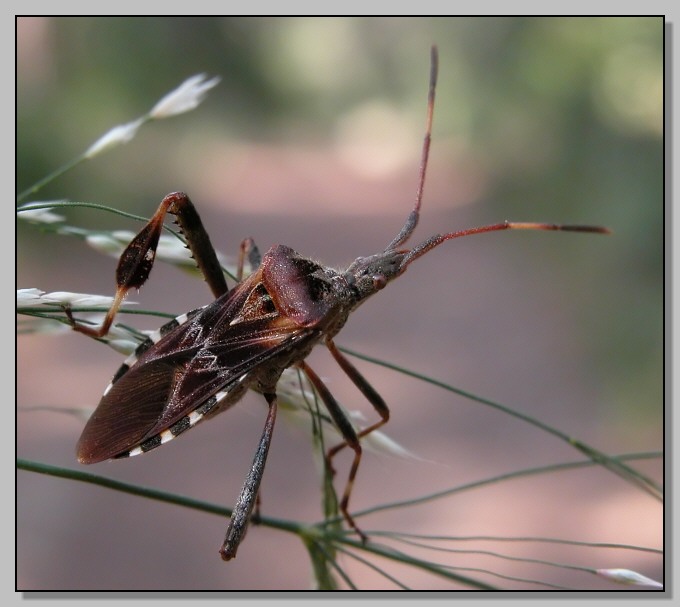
(188, 421)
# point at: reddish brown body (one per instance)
(202, 362)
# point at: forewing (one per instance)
(210, 354)
(128, 410)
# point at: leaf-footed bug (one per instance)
(204, 361)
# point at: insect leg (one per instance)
(189, 222)
(240, 517)
(351, 440)
(137, 259)
(366, 389)
(250, 251)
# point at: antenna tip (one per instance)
(592, 229)
(434, 56)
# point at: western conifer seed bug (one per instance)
(204, 361)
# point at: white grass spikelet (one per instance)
(628, 577)
(118, 135)
(184, 98)
(43, 215)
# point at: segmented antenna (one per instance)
(412, 220)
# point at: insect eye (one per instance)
(379, 281)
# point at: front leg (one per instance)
(136, 261)
(350, 439)
(366, 389)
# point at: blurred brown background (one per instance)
(312, 139)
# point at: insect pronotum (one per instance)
(204, 361)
